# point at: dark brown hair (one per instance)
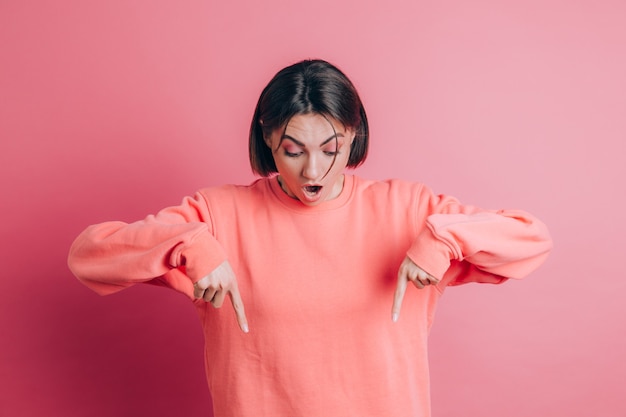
(310, 86)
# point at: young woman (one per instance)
(313, 261)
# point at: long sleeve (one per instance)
(174, 247)
(497, 245)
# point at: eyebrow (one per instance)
(297, 142)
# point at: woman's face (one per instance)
(311, 156)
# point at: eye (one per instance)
(291, 150)
(330, 151)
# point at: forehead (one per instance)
(312, 126)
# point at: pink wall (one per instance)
(112, 110)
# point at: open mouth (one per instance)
(313, 189)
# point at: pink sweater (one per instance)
(317, 284)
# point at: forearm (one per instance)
(507, 243)
(110, 256)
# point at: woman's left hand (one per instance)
(409, 272)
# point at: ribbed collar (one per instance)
(296, 205)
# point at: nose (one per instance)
(312, 167)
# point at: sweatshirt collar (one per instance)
(294, 204)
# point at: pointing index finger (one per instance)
(237, 302)
(398, 297)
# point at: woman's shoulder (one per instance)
(390, 187)
(236, 192)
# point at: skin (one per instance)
(311, 153)
(312, 150)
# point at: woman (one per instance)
(317, 257)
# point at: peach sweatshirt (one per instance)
(317, 284)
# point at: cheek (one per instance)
(286, 166)
(341, 162)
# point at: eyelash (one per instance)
(294, 155)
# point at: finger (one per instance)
(428, 279)
(418, 283)
(200, 287)
(425, 278)
(218, 298)
(398, 296)
(198, 291)
(235, 299)
(412, 275)
(209, 294)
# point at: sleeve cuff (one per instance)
(430, 254)
(199, 257)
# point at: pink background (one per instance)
(114, 109)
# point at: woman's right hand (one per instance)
(214, 287)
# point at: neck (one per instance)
(284, 188)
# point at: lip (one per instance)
(312, 196)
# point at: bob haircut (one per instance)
(307, 87)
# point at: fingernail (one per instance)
(245, 328)
(394, 317)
